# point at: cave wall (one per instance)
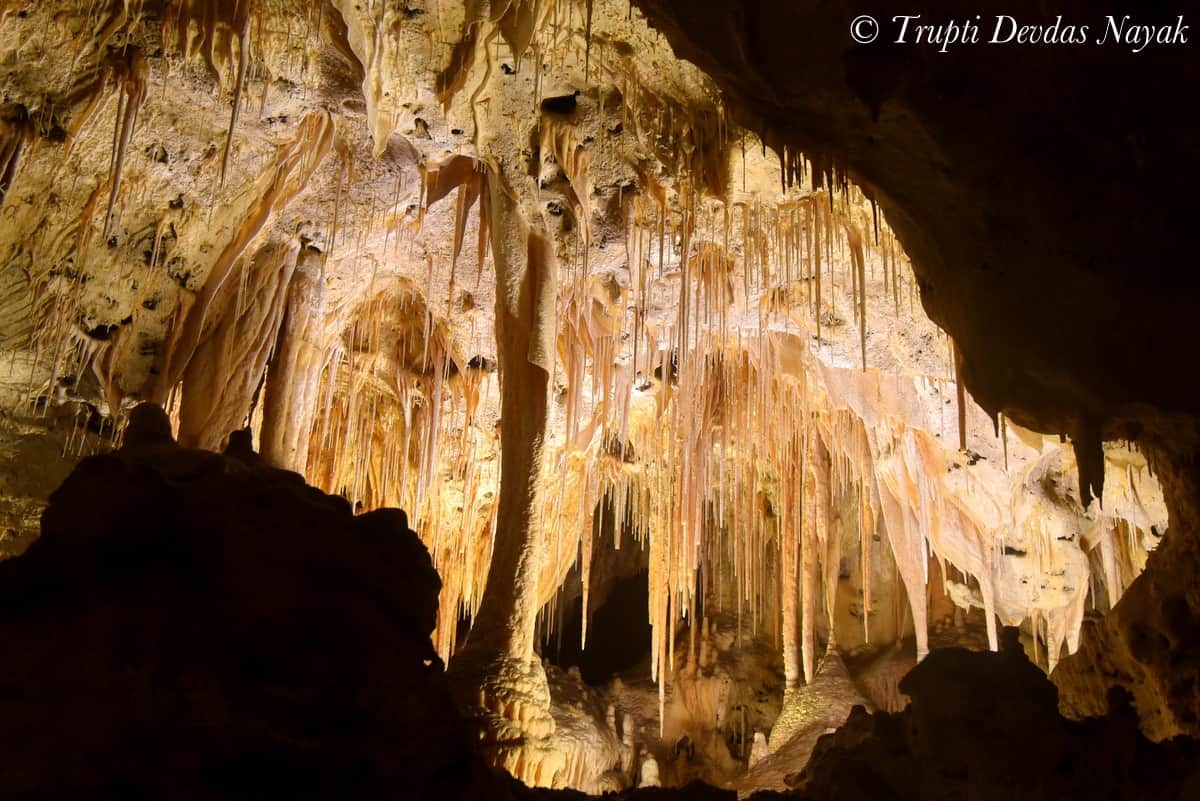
(1150, 643)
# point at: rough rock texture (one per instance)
(985, 725)
(1150, 643)
(194, 625)
(32, 465)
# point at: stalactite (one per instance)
(866, 523)
(1004, 440)
(961, 398)
(132, 72)
(241, 29)
(818, 311)
(203, 27)
(587, 64)
(859, 272)
(559, 139)
(229, 361)
(813, 545)
(903, 496)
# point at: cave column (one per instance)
(789, 608)
(294, 376)
(497, 678)
(803, 572)
(525, 294)
(812, 540)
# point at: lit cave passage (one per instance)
(768, 412)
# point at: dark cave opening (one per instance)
(618, 639)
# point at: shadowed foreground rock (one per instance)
(193, 625)
(986, 726)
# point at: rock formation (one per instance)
(199, 625)
(985, 725)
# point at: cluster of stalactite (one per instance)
(725, 442)
(719, 438)
(731, 410)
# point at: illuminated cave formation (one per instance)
(694, 378)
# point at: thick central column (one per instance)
(525, 292)
(497, 678)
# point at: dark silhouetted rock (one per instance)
(985, 726)
(192, 626)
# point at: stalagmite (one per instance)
(649, 776)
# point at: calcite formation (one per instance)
(516, 267)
